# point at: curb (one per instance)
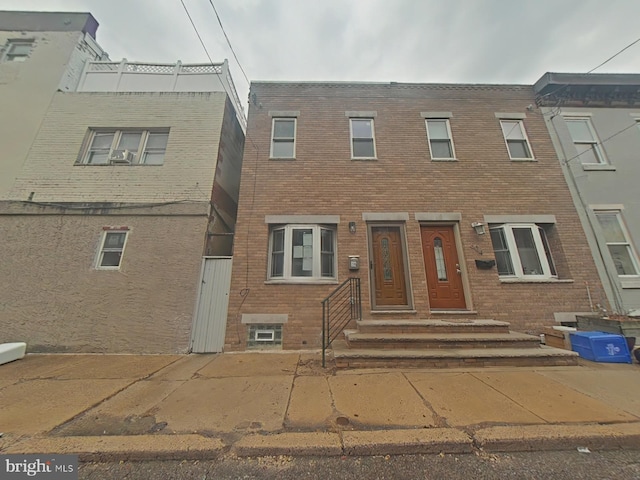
(117, 448)
(496, 439)
(525, 438)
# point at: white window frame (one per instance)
(373, 136)
(103, 249)
(450, 138)
(117, 135)
(505, 135)
(512, 249)
(627, 243)
(11, 57)
(595, 141)
(291, 140)
(288, 251)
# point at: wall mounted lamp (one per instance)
(478, 227)
(352, 227)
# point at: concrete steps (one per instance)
(432, 326)
(356, 339)
(442, 344)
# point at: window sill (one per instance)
(524, 159)
(282, 158)
(598, 167)
(364, 159)
(118, 164)
(630, 282)
(444, 159)
(301, 282)
(535, 280)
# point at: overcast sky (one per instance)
(462, 41)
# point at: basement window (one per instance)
(264, 336)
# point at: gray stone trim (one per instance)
(438, 217)
(284, 113)
(311, 219)
(386, 217)
(352, 114)
(265, 318)
(436, 114)
(510, 115)
(519, 219)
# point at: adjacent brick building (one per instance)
(447, 201)
(130, 180)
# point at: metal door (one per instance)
(210, 319)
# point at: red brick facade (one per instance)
(403, 180)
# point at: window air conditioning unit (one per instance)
(121, 156)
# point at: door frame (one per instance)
(405, 262)
(466, 287)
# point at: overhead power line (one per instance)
(229, 42)
(594, 68)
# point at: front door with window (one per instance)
(444, 278)
(388, 271)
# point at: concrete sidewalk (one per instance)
(121, 407)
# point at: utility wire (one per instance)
(593, 69)
(229, 42)
(247, 136)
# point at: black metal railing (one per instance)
(341, 307)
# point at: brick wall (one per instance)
(323, 180)
(53, 298)
(194, 120)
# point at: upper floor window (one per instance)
(440, 141)
(111, 249)
(362, 138)
(17, 50)
(283, 138)
(618, 242)
(522, 251)
(585, 140)
(516, 139)
(302, 252)
(126, 147)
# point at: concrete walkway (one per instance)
(122, 407)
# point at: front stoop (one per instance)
(443, 344)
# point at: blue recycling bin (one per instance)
(601, 347)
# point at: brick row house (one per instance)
(447, 201)
(129, 177)
(594, 120)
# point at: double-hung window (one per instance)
(302, 252)
(516, 139)
(17, 50)
(522, 251)
(283, 138)
(440, 142)
(585, 140)
(618, 243)
(363, 143)
(144, 147)
(111, 249)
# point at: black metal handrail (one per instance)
(341, 307)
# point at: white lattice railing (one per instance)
(127, 76)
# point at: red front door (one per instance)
(444, 279)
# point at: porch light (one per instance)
(478, 227)
(352, 227)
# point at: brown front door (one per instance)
(388, 267)
(444, 280)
